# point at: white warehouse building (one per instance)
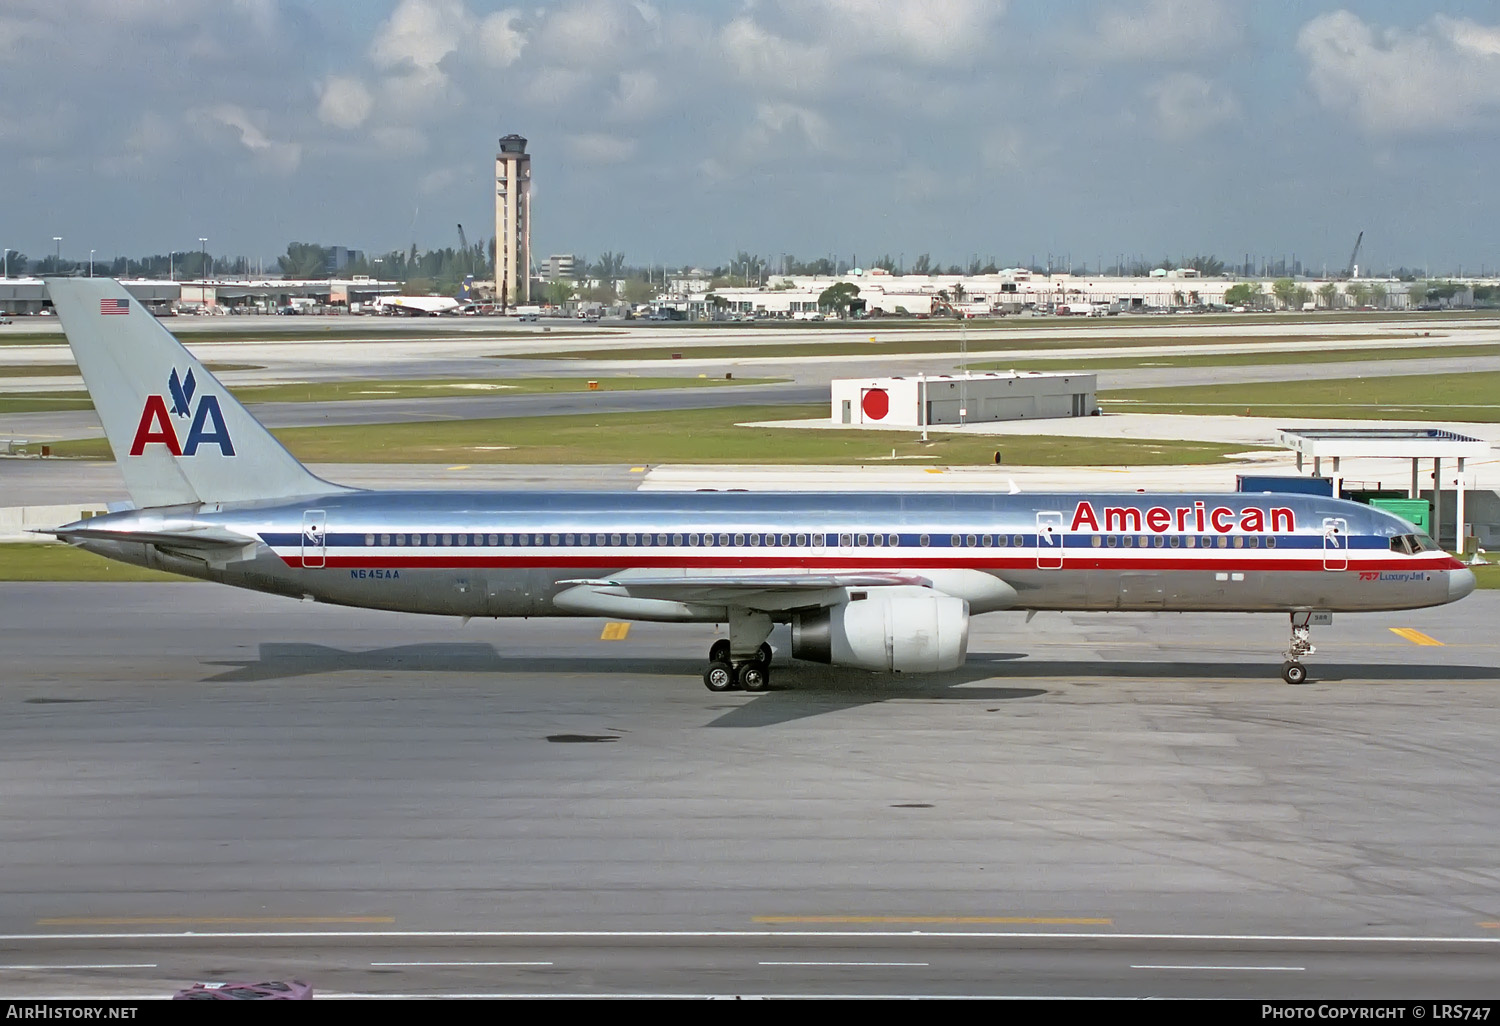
(962, 399)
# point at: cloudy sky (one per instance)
(680, 131)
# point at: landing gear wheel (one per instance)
(718, 652)
(754, 676)
(763, 654)
(719, 676)
(1293, 673)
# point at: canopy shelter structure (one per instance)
(1414, 443)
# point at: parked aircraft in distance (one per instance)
(883, 581)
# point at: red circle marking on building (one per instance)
(876, 403)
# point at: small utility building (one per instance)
(963, 399)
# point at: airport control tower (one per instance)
(513, 221)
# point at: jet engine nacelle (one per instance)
(910, 629)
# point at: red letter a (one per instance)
(154, 414)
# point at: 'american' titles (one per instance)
(1196, 518)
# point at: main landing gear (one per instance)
(1292, 671)
(743, 660)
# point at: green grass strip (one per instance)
(25, 561)
(380, 388)
(1455, 397)
(710, 436)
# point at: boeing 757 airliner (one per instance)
(884, 581)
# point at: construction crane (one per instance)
(1349, 271)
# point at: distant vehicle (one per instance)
(269, 990)
(287, 311)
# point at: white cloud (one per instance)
(500, 42)
(345, 102)
(778, 123)
(1002, 150)
(419, 34)
(594, 34)
(639, 95)
(281, 157)
(937, 32)
(1166, 30)
(1445, 74)
(599, 148)
(1184, 105)
(772, 62)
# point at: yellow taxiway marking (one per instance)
(933, 920)
(1490, 925)
(214, 920)
(637, 470)
(615, 632)
(461, 466)
(934, 470)
(1414, 636)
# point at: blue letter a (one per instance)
(208, 409)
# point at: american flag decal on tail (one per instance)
(114, 306)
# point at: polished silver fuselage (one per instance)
(507, 554)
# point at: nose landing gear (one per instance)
(1292, 671)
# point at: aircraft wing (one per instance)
(781, 590)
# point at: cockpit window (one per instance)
(1411, 544)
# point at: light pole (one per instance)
(203, 267)
(57, 260)
(91, 262)
(6, 257)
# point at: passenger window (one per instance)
(1112, 541)
(432, 539)
(755, 538)
(988, 541)
(1270, 543)
(1223, 542)
(1175, 541)
(864, 540)
(1096, 541)
(676, 539)
(385, 539)
(846, 540)
(556, 540)
(645, 539)
(400, 539)
(739, 539)
(924, 541)
(894, 539)
(1239, 541)
(801, 540)
(494, 539)
(955, 541)
(1252, 542)
(692, 539)
(1019, 541)
(614, 539)
(786, 539)
(971, 541)
(630, 539)
(463, 539)
(1129, 540)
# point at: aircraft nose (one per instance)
(1460, 583)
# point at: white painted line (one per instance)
(845, 964)
(564, 935)
(461, 963)
(1232, 968)
(119, 965)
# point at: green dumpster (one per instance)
(1416, 511)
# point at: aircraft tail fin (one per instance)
(178, 435)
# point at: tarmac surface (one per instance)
(206, 784)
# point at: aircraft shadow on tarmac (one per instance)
(810, 689)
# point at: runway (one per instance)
(209, 784)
